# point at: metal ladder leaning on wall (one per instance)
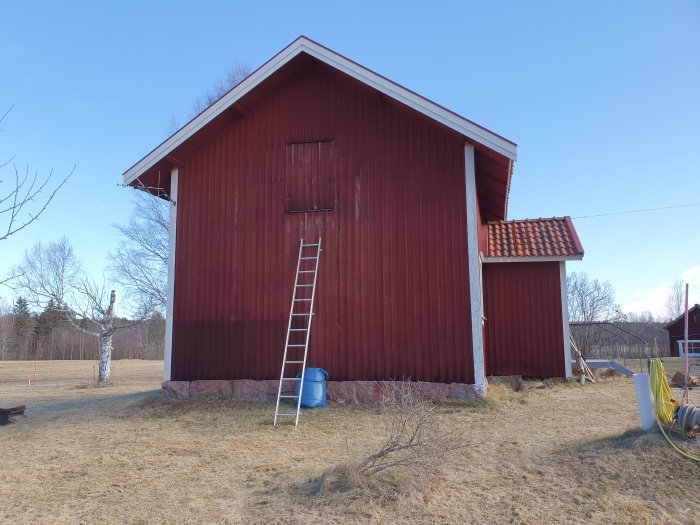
(298, 312)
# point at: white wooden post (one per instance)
(474, 273)
(168, 353)
(565, 318)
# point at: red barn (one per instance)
(410, 201)
(676, 333)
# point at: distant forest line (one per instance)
(25, 335)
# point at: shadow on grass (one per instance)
(55, 408)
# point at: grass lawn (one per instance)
(121, 453)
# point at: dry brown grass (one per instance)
(123, 454)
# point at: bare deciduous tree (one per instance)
(591, 300)
(53, 273)
(24, 196)
(140, 263)
(235, 76)
(675, 300)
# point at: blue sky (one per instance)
(602, 98)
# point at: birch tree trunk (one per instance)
(106, 340)
(105, 357)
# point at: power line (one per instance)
(638, 211)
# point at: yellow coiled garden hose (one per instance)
(663, 400)
(664, 404)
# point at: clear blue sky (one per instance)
(602, 98)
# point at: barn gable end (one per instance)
(400, 189)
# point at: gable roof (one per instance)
(466, 127)
(553, 239)
(681, 317)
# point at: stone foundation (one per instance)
(343, 392)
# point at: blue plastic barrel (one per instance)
(314, 392)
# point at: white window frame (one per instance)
(681, 347)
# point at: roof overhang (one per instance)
(471, 131)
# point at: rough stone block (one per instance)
(176, 389)
(433, 390)
(341, 391)
(367, 392)
(221, 387)
(255, 390)
(464, 391)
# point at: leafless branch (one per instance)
(140, 263)
(25, 197)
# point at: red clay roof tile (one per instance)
(555, 237)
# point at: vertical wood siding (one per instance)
(676, 332)
(393, 284)
(523, 328)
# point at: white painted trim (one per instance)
(474, 271)
(565, 319)
(681, 348)
(533, 259)
(172, 236)
(304, 45)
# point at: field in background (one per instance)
(120, 453)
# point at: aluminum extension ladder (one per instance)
(299, 327)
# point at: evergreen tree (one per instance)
(23, 326)
(48, 323)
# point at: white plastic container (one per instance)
(644, 400)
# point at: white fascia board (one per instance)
(210, 113)
(401, 94)
(533, 259)
(412, 100)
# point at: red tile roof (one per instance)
(555, 237)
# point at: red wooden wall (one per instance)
(393, 285)
(523, 327)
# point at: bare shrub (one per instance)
(416, 441)
(416, 448)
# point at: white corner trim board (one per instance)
(304, 45)
(565, 319)
(474, 273)
(172, 235)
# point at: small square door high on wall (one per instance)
(309, 177)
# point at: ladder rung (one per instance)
(307, 271)
(310, 244)
(293, 415)
(307, 258)
(291, 379)
(298, 329)
(301, 314)
(294, 362)
(297, 300)
(297, 345)
(305, 285)
(289, 397)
